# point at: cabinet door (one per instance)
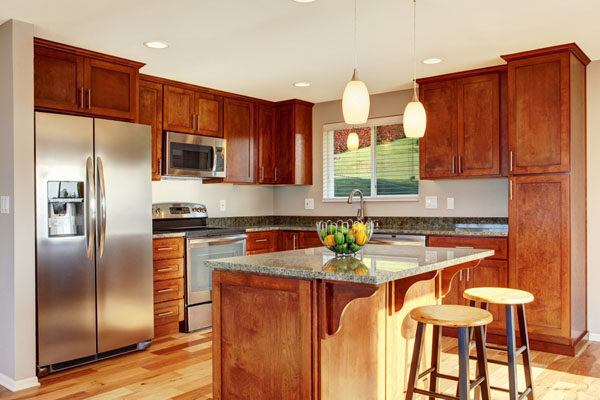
(539, 250)
(491, 273)
(479, 125)
(309, 239)
(111, 89)
(538, 109)
(266, 148)
(58, 80)
(288, 241)
(284, 143)
(438, 148)
(209, 114)
(239, 134)
(150, 113)
(178, 109)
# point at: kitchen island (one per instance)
(303, 324)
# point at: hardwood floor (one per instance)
(179, 367)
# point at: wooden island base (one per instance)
(284, 338)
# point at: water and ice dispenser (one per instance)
(66, 213)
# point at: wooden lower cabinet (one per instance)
(309, 239)
(168, 285)
(261, 242)
(289, 240)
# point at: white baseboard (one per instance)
(595, 337)
(21, 384)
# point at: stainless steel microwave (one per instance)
(193, 156)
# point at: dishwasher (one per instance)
(397, 239)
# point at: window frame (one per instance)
(328, 145)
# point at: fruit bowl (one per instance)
(345, 238)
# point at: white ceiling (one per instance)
(260, 47)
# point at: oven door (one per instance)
(199, 277)
(192, 156)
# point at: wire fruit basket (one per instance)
(345, 238)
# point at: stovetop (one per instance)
(205, 231)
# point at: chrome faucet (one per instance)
(361, 211)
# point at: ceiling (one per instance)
(261, 47)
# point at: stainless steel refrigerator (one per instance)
(94, 239)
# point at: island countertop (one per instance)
(374, 264)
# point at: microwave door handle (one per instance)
(101, 208)
(89, 209)
(214, 168)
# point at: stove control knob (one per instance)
(156, 211)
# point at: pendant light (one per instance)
(352, 142)
(355, 101)
(414, 119)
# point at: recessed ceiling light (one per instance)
(302, 84)
(305, 1)
(155, 44)
(434, 60)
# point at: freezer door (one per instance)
(66, 301)
(124, 229)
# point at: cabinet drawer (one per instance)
(168, 269)
(499, 245)
(168, 312)
(261, 241)
(167, 248)
(171, 289)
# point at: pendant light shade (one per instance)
(414, 119)
(356, 102)
(352, 142)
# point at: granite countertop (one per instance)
(458, 231)
(374, 264)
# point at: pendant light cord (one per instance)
(355, 35)
(415, 49)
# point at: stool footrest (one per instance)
(425, 373)
(436, 395)
(503, 348)
(521, 395)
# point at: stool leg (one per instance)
(464, 383)
(511, 351)
(482, 390)
(416, 360)
(525, 342)
(435, 359)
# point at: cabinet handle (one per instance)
(164, 314)
(165, 290)
(460, 275)
(164, 248)
(464, 247)
(452, 164)
(511, 191)
(262, 173)
(164, 269)
(275, 174)
(82, 98)
(261, 240)
(198, 122)
(89, 99)
(459, 165)
(468, 270)
(511, 161)
(194, 122)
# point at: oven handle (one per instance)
(198, 242)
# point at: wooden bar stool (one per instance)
(463, 318)
(510, 298)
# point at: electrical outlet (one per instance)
(430, 201)
(309, 204)
(222, 205)
(4, 205)
(450, 203)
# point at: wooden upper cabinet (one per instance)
(179, 109)
(539, 250)
(111, 89)
(438, 148)
(240, 140)
(538, 90)
(284, 137)
(80, 81)
(150, 113)
(58, 79)
(479, 125)
(209, 114)
(266, 144)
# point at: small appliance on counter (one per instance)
(201, 243)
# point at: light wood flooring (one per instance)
(179, 367)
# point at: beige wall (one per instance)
(593, 165)
(17, 229)
(472, 198)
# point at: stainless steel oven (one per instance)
(199, 278)
(193, 156)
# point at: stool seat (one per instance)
(497, 295)
(451, 316)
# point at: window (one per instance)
(385, 166)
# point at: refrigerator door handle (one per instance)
(101, 208)
(90, 212)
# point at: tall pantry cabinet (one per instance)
(547, 191)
